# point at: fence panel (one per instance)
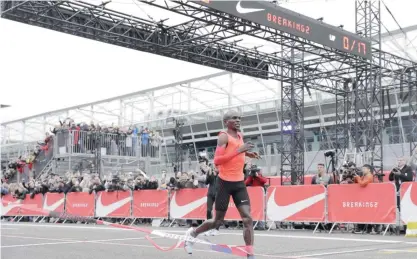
(189, 204)
(54, 202)
(257, 201)
(113, 204)
(80, 204)
(303, 203)
(408, 204)
(351, 203)
(150, 204)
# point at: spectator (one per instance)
(404, 174)
(322, 176)
(366, 178)
(255, 178)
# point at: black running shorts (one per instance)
(226, 189)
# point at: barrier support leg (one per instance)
(270, 225)
(133, 222)
(123, 222)
(334, 224)
(386, 229)
(317, 226)
(172, 222)
(254, 226)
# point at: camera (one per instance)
(254, 170)
(348, 171)
(330, 153)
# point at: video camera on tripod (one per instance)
(348, 171)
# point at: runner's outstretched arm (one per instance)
(219, 156)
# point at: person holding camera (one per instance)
(255, 177)
(401, 173)
(366, 178)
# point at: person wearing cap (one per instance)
(367, 176)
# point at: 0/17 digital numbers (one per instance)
(354, 46)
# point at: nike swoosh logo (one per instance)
(243, 10)
(105, 210)
(178, 211)
(280, 213)
(9, 206)
(408, 208)
(54, 206)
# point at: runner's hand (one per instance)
(245, 147)
(253, 155)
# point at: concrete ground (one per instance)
(74, 241)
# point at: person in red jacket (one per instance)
(255, 178)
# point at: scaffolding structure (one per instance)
(301, 65)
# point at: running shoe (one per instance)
(188, 245)
(214, 232)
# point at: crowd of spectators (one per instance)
(118, 141)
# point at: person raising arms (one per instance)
(230, 160)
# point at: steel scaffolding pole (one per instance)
(292, 122)
(369, 109)
(342, 122)
(412, 104)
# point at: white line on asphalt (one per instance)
(65, 241)
(235, 234)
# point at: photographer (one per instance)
(402, 173)
(366, 178)
(255, 177)
(348, 173)
(322, 176)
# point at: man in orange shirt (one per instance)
(230, 160)
(367, 177)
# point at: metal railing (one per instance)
(108, 144)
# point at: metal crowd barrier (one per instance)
(109, 144)
(373, 204)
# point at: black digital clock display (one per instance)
(279, 18)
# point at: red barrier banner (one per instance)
(10, 206)
(408, 192)
(36, 203)
(350, 203)
(189, 204)
(113, 204)
(80, 203)
(302, 203)
(54, 202)
(150, 204)
(257, 202)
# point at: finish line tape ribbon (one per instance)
(228, 249)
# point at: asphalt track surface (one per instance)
(75, 241)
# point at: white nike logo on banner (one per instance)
(105, 210)
(408, 208)
(178, 211)
(280, 213)
(9, 206)
(54, 206)
(243, 10)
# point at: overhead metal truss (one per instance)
(211, 38)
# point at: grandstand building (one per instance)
(199, 104)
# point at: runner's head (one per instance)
(232, 120)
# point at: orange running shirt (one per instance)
(232, 171)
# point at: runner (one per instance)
(230, 160)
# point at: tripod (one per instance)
(332, 164)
